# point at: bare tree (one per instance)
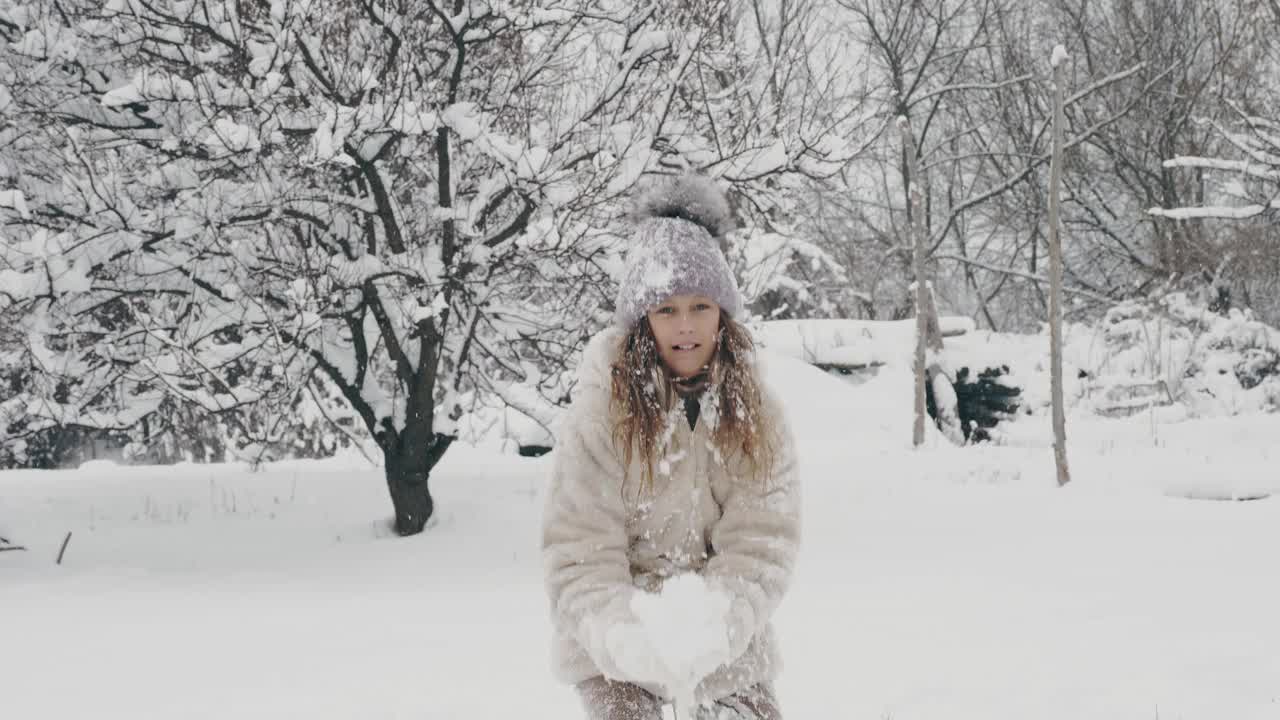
(1196, 56)
(964, 71)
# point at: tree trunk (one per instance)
(928, 332)
(410, 495)
(408, 469)
(1055, 277)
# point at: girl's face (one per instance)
(685, 328)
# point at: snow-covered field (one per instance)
(942, 584)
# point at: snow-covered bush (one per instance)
(1214, 363)
(183, 432)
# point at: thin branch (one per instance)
(62, 551)
(404, 366)
(357, 442)
(1019, 274)
(1111, 79)
(971, 86)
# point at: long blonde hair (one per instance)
(642, 390)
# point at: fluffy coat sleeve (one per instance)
(756, 541)
(584, 535)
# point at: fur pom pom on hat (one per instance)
(675, 249)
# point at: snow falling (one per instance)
(294, 295)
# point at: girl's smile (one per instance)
(685, 327)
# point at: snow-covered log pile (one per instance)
(983, 400)
(984, 396)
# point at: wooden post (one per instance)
(915, 202)
(1055, 274)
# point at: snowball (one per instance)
(685, 620)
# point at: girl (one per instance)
(672, 518)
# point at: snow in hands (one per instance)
(686, 628)
(673, 638)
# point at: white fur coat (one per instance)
(603, 540)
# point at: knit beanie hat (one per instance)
(675, 249)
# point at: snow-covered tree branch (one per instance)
(1252, 181)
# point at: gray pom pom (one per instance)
(688, 197)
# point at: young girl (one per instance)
(672, 518)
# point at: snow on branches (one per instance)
(217, 201)
(1246, 186)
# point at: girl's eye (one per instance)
(700, 307)
(666, 310)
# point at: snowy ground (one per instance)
(945, 584)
